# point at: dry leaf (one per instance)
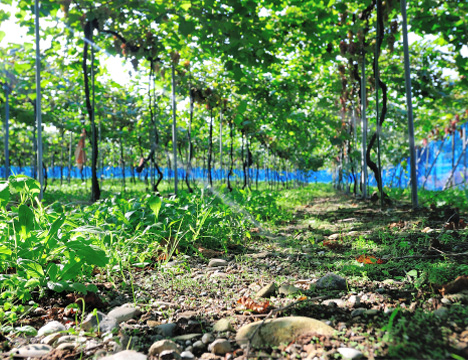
(369, 259)
(258, 307)
(399, 225)
(333, 244)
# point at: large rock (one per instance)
(331, 282)
(279, 331)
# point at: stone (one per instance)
(33, 351)
(354, 301)
(287, 289)
(331, 282)
(220, 347)
(124, 313)
(275, 332)
(358, 312)
(266, 291)
(50, 328)
(336, 302)
(223, 325)
(260, 255)
(159, 346)
(210, 356)
(187, 355)
(207, 338)
(187, 315)
(50, 339)
(187, 337)
(334, 236)
(108, 324)
(92, 320)
(217, 263)
(166, 330)
(350, 353)
(199, 346)
(126, 355)
(66, 346)
(169, 355)
(67, 338)
(441, 312)
(371, 312)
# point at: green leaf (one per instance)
(4, 250)
(90, 254)
(27, 330)
(32, 268)
(2, 35)
(26, 220)
(32, 283)
(81, 288)
(58, 286)
(154, 202)
(52, 271)
(4, 193)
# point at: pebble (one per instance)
(92, 320)
(51, 328)
(126, 355)
(187, 337)
(187, 355)
(163, 345)
(124, 313)
(207, 338)
(31, 351)
(166, 330)
(331, 282)
(441, 312)
(287, 289)
(169, 355)
(220, 347)
(354, 301)
(217, 263)
(350, 353)
(358, 312)
(267, 291)
(199, 346)
(67, 346)
(223, 325)
(50, 339)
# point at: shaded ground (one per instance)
(418, 253)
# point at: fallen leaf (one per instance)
(258, 307)
(400, 225)
(333, 244)
(455, 286)
(369, 259)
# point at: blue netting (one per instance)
(434, 168)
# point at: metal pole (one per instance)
(7, 131)
(364, 125)
(38, 102)
(409, 104)
(377, 78)
(174, 127)
(221, 143)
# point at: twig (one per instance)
(275, 311)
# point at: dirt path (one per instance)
(387, 309)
